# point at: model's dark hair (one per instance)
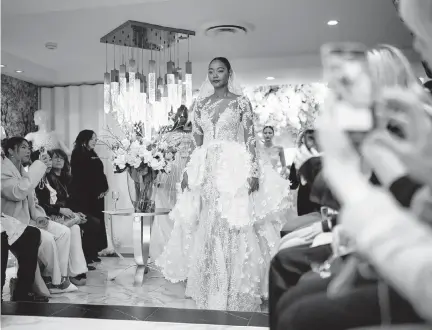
(83, 138)
(224, 60)
(12, 143)
(271, 127)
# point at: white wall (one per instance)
(73, 109)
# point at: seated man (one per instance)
(23, 241)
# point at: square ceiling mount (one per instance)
(144, 35)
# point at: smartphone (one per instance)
(346, 70)
(42, 151)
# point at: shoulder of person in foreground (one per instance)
(395, 242)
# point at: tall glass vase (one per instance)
(142, 190)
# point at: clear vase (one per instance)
(142, 189)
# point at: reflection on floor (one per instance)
(157, 300)
(32, 322)
(100, 290)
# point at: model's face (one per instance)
(218, 74)
(92, 142)
(57, 162)
(268, 134)
(21, 153)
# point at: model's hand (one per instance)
(253, 185)
(184, 183)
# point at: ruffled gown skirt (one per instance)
(215, 243)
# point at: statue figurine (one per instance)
(44, 137)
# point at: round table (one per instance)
(141, 233)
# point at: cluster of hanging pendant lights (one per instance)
(146, 84)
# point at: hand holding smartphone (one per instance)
(346, 70)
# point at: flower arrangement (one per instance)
(134, 151)
(143, 159)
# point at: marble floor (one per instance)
(36, 323)
(112, 283)
(101, 289)
(110, 294)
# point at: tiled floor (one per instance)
(101, 290)
(157, 300)
(32, 323)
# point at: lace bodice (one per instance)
(226, 120)
(269, 155)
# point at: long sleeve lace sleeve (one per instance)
(197, 130)
(247, 120)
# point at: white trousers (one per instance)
(77, 261)
(61, 251)
(54, 251)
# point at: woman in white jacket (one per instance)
(18, 201)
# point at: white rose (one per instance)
(120, 161)
(125, 143)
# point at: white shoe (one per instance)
(65, 287)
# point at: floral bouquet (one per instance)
(143, 160)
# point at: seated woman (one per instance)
(47, 199)
(18, 201)
(59, 179)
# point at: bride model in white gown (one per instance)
(215, 245)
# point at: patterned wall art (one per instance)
(19, 101)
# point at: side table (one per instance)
(141, 233)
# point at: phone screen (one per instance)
(346, 70)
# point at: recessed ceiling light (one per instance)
(19, 71)
(3, 65)
(51, 45)
(270, 78)
(332, 22)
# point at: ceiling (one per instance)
(284, 40)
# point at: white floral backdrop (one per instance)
(290, 109)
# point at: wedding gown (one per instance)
(215, 244)
(167, 190)
(273, 198)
